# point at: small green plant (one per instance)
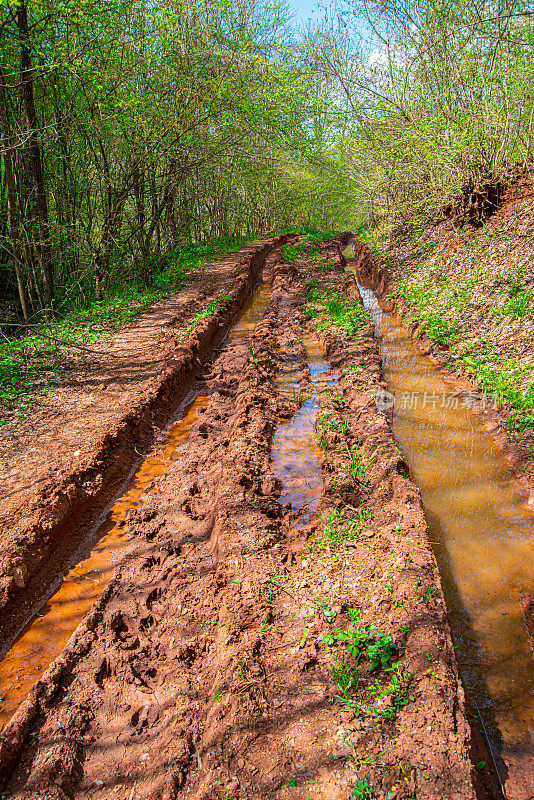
(378, 646)
(338, 529)
(208, 311)
(362, 791)
(517, 304)
(427, 592)
(326, 609)
(332, 308)
(407, 769)
(397, 691)
(299, 396)
(229, 790)
(326, 421)
(380, 651)
(312, 289)
(292, 252)
(345, 676)
(358, 467)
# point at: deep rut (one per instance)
(202, 671)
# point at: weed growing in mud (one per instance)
(348, 316)
(394, 696)
(358, 467)
(299, 396)
(326, 421)
(338, 530)
(427, 592)
(345, 676)
(338, 397)
(229, 790)
(362, 791)
(378, 700)
(326, 609)
(208, 311)
(358, 641)
(332, 308)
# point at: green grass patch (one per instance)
(505, 381)
(33, 363)
(332, 308)
(518, 302)
(292, 252)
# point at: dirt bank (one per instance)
(250, 648)
(71, 458)
(467, 297)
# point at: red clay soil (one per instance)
(203, 671)
(62, 465)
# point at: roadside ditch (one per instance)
(266, 635)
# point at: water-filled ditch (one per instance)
(483, 537)
(45, 636)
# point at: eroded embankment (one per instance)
(50, 532)
(211, 665)
(483, 534)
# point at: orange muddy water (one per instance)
(47, 633)
(483, 538)
(295, 453)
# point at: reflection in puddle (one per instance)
(252, 313)
(483, 537)
(295, 454)
(47, 634)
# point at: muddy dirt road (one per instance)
(276, 626)
(64, 464)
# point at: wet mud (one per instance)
(46, 529)
(482, 530)
(204, 668)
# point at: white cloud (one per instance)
(377, 57)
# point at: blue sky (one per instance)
(304, 9)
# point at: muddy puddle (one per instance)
(296, 456)
(45, 636)
(483, 538)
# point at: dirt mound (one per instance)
(476, 203)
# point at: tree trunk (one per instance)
(12, 205)
(34, 159)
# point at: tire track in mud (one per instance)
(203, 671)
(44, 535)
